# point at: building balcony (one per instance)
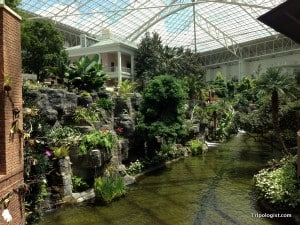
(113, 71)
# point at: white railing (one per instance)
(113, 70)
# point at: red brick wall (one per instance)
(11, 146)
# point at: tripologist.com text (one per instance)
(271, 215)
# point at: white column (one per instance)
(119, 71)
(100, 59)
(241, 71)
(132, 67)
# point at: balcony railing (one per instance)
(113, 70)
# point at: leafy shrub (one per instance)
(278, 185)
(170, 151)
(79, 184)
(86, 74)
(135, 167)
(63, 136)
(85, 94)
(105, 103)
(162, 111)
(126, 89)
(61, 152)
(196, 146)
(96, 140)
(109, 188)
(86, 115)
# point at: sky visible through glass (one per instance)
(218, 23)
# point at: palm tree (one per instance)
(275, 84)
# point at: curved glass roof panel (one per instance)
(201, 25)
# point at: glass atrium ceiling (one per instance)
(212, 23)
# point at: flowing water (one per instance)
(213, 188)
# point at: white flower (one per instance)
(6, 215)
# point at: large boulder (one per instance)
(52, 103)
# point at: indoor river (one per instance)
(213, 188)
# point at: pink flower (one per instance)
(48, 153)
(120, 130)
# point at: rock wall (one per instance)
(57, 107)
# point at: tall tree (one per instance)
(274, 84)
(148, 56)
(42, 48)
(162, 111)
(13, 3)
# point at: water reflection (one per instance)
(215, 188)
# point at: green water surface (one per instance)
(213, 188)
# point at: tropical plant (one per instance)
(96, 140)
(42, 48)
(275, 84)
(61, 152)
(86, 115)
(226, 125)
(79, 184)
(63, 136)
(196, 146)
(105, 103)
(162, 110)
(86, 74)
(135, 167)
(126, 89)
(195, 86)
(109, 188)
(278, 184)
(257, 122)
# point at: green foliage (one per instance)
(273, 80)
(278, 185)
(258, 121)
(148, 56)
(169, 151)
(96, 140)
(218, 86)
(162, 109)
(79, 184)
(63, 136)
(226, 126)
(61, 152)
(290, 113)
(13, 4)
(105, 103)
(153, 59)
(85, 94)
(275, 84)
(34, 200)
(135, 167)
(196, 146)
(86, 115)
(37, 163)
(195, 86)
(109, 188)
(33, 85)
(181, 62)
(85, 74)
(42, 48)
(126, 89)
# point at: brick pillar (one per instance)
(11, 144)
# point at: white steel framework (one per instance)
(203, 25)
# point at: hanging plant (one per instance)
(7, 83)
